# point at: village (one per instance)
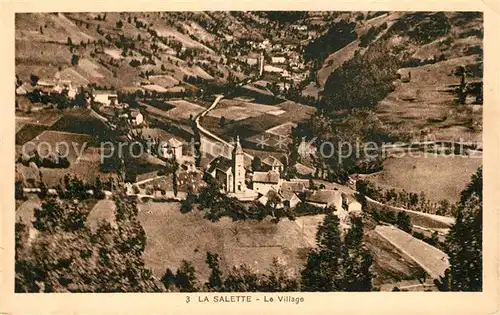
(214, 137)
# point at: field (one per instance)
(251, 120)
(437, 176)
(179, 110)
(73, 130)
(82, 121)
(103, 211)
(28, 132)
(425, 104)
(53, 141)
(163, 80)
(389, 262)
(186, 40)
(173, 236)
(432, 258)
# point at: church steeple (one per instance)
(238, 167)
(237, 146)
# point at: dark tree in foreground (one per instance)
(67, 256)
(464, 241)
(322, 264)
(338, 265)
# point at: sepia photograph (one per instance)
(248, 151)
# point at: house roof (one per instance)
(174, 143)
(323, 196)
(105, 92)
(272, 161)
(21, 90)
(270, 177)
(221, 163)
(265, 198)
(294, 187)
(288, 195)
(134, 113)
(154, 88)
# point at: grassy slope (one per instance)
(438, 177)
(43, 51)
(173, 236)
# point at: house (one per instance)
(172, 149)
(106, 98)
(230, 173)
(278, 60)
(324, 198)
(271, 163)
(271, 194)
(252, 61)
(136, 118)
(265, 181)
(295, 186)
(354, 206)
(21, 90)
(291, 198)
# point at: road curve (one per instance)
(209, 134)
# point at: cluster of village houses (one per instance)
(230, 174)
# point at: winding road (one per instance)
(207, 142)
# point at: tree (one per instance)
(464, 241)
(357, 260)
(403, 222)
(322, 263)
(75, 59)
(34, 79)
(215, 280)
(119, 24)
(222, 122)
(277, 280)
(53, 216)
(18, 190)
(68, 257)
(336, 264)
(256, 164)
(185, 278)
(70, 42)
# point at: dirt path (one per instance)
(209, 134)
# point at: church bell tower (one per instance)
(238, 167)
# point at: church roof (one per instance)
(237, 146)
(270, 177)
(221, 163)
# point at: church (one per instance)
(230, 173)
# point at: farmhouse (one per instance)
(271, 163)
(136, 118)
(265, 181)
(172, 149)
(106, 97)
(354, 206)
(324, 198)
(278, 60)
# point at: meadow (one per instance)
(173, 236)
(439, 177)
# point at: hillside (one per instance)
(460, 36)
(123, 49)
